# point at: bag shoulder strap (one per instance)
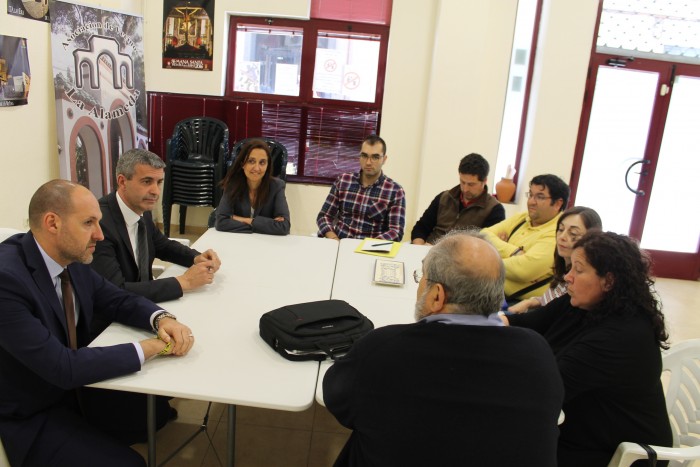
(515, 229)
(529, 288)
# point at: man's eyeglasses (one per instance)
(417, 275)
(374, 157)
(538, 197)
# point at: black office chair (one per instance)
(197, 159)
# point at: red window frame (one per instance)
(335, 110)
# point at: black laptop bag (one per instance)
(313, 330)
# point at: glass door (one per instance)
(637, 161)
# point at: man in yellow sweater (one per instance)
(526, 241)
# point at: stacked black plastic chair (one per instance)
(197, 161)
(278, 155)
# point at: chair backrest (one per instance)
(681, 367)
(683, 392)
(6, 232)
(200, 139)
(278, 156)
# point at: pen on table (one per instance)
(382, 244)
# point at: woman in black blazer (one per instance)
(253, 200)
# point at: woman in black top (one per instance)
(606, 335)
(253, 200)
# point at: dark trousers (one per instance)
(66, 439)
(122, 414)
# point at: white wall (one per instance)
(446, 77)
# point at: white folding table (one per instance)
(229, 362)
(382, 304)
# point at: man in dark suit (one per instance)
(48, 300)
(140, 177)
(439, 391)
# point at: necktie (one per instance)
(142, 248)
(69, 307)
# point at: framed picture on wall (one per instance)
(32, 9)
(188, 34)
(14, 71)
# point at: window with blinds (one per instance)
(316, 86)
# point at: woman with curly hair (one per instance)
(607, 334)
(572, 225)
(253, 200)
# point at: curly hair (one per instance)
(235, 184)
(632, 292)
(591, 220)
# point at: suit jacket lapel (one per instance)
(42, 279)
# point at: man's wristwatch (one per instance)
(156, 320)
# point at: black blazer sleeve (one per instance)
(114, 258)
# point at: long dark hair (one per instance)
(235, 184)
(632, 292)
(591, 220)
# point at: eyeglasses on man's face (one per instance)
(373, 157)
(538, 197)
(417, 275)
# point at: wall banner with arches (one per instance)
(100, 91)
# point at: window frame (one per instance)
(306, 101)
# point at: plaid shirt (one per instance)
(354, 211)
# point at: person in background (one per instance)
(437, 391)
(254, 201)
(469, 204)
(48, 297)
(606, 334)
(365, 204)
(572, 225)
(526, 241)
(140, 175)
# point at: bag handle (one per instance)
(651, 454)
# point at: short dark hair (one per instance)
(474, 164)
(558, 189)
(374, 139)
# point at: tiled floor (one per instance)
(313, 438)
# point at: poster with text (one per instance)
(188, 34)
(100, 93)
(32, 9)
(14, 71)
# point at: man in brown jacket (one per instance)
(469, 204)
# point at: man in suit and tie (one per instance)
(48, 300)
(126, 219)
